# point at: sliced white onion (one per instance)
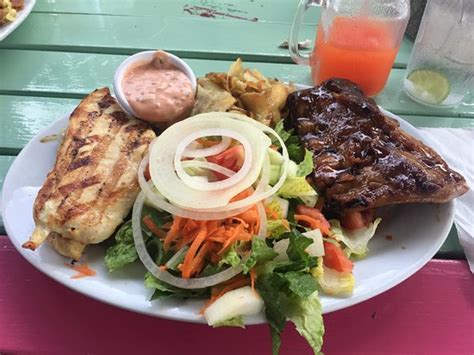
(163, 275)
(207, 165)
(217, 185)
(192, 152)
(209, 211)
(157, 200)
(163, 152)
(261, 192)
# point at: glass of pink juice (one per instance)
(356, 40)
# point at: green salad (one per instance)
(226, 215)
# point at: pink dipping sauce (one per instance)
(159, 92)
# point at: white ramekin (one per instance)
(146, 57)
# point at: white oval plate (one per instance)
(21, 15)
(418, 232)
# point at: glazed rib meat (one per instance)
(93, 184)
(362, 158)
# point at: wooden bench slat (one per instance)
(189, 37)
(72, 75)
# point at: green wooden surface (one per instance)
(262, 10)
(207, 39)
(72, 75)
(67, 48)
(28, 115)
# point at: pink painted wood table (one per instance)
(430, 313)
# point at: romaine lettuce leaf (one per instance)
(288, 289)
(302, 284)
(291, 295)
(271, 287)
(278, 205)
(123, 252)
(294, 187)
(292, 142)
(276, 228)
(356, 240)
(164, 290)
(231, 257)
(295, 149)
(332, 282)
(297, 249)
(260, 253)
(306, 166)
(307, 316)
(280, 130)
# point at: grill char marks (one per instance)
(363, 159)
(94, 182)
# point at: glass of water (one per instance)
(441, 67)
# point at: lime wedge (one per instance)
(428, 85)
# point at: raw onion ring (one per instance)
(164, 161)
(216, 185)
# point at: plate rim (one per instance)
(350, 301)
(9, 28)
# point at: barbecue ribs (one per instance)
(362, 158)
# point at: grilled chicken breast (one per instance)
(362, 158)
(93, 184)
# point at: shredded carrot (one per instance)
(272, 214)
(242, 195)
(234, 237)
(233, 286)
(186, 239)
(167, 225)
(198, 261)
(285, 224)
(240, 220)
(148, 221)
(188, 259)
(163, 267)
(173, 232)
(208, 240)
(312, 223)
(83, 270)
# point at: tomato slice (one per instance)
(315, 214)
(334, 258)
(232, 158)
(356, 220)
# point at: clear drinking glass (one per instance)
(356, 40)
(441, 67)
